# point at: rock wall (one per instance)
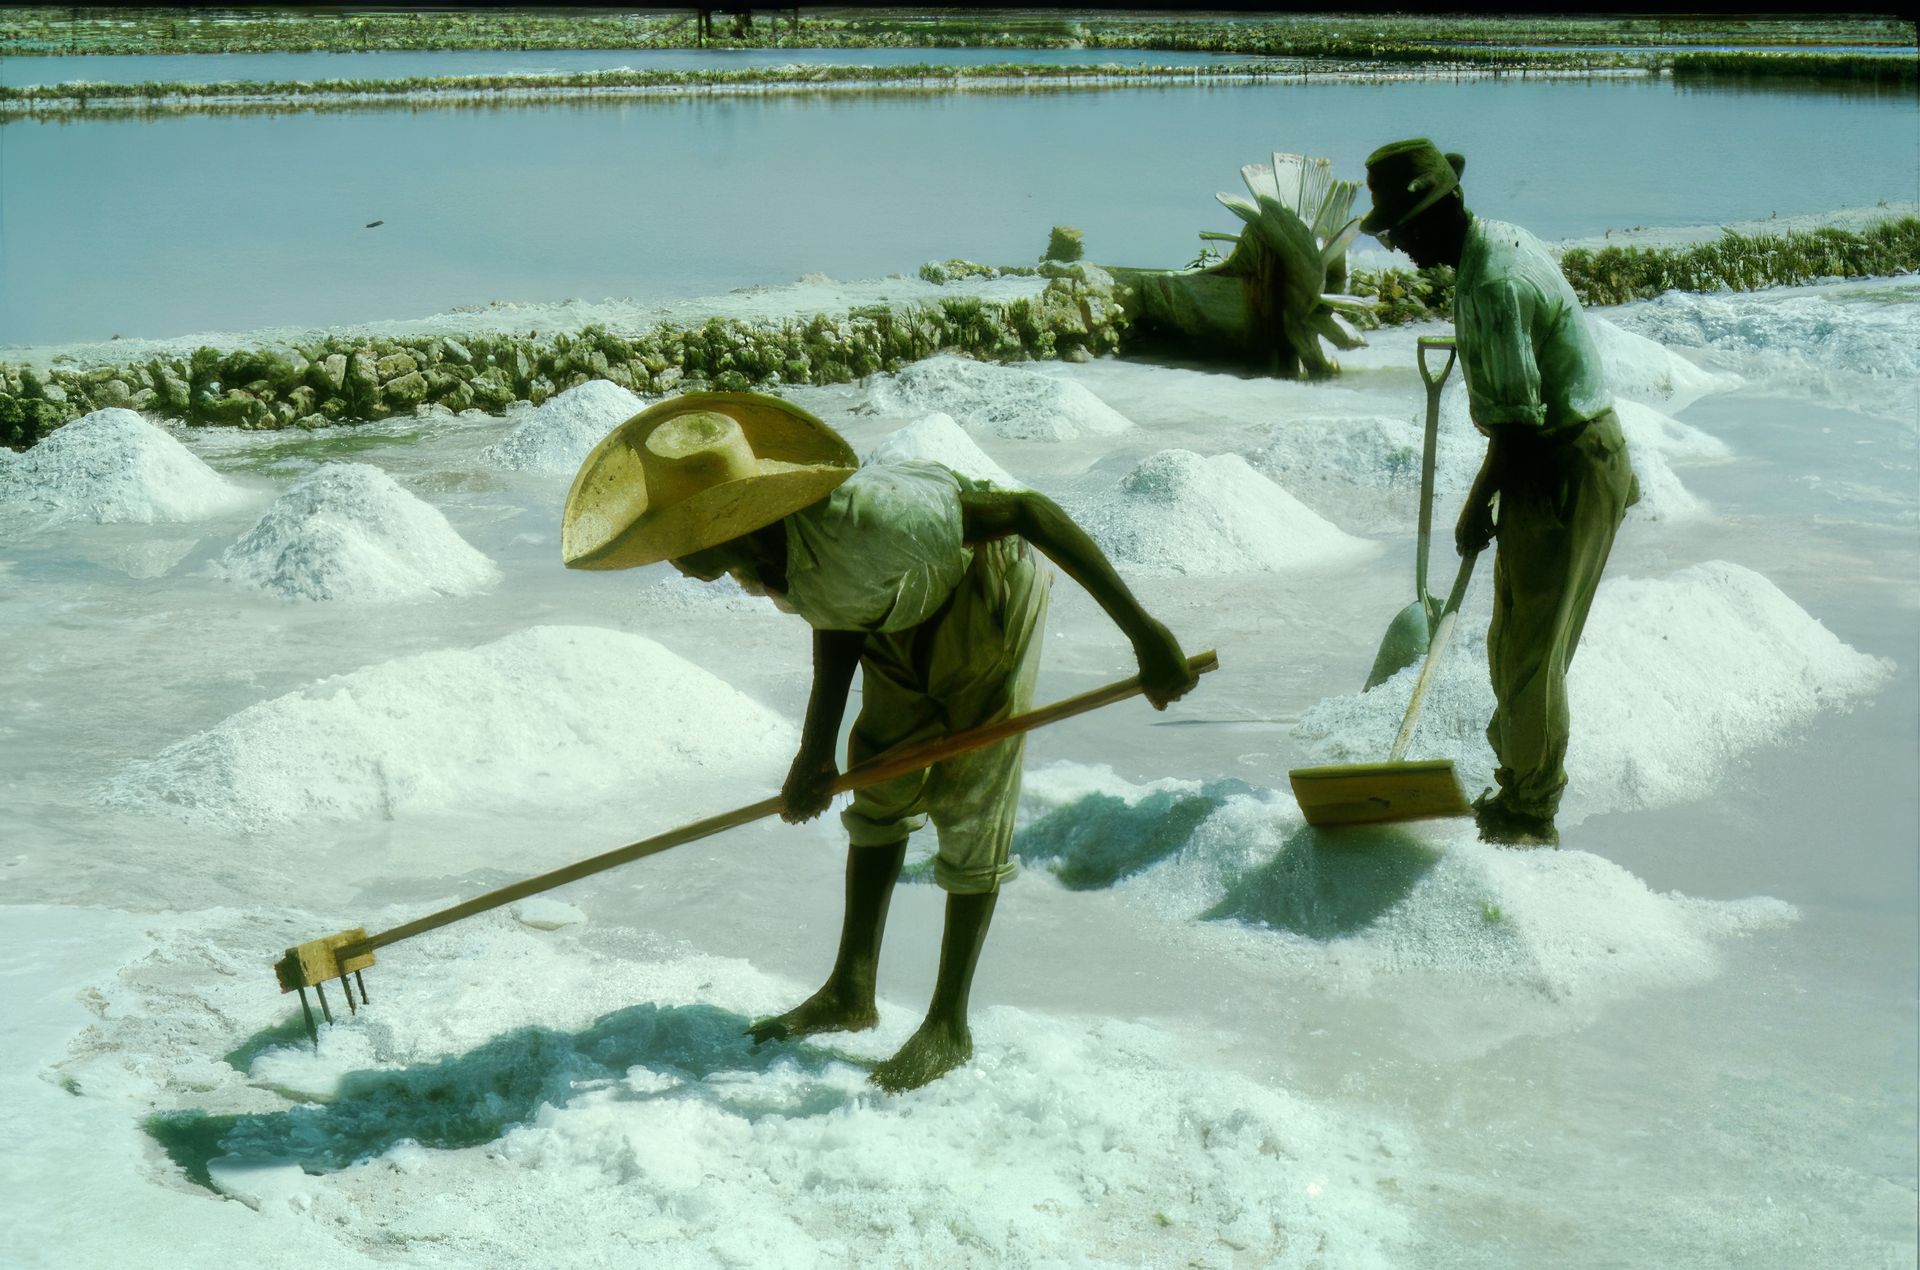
(350, 379)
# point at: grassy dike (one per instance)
(346, 379)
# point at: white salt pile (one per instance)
(939, 438)
(557, 434)
(348, 531)
(1643, 370)
(552, 716)
(1675, 678)
(1863, 354)
(1001, 401)
(1651, 438)
(1428, 901)
(113, 466)
(1363, 469)
(1183, 513)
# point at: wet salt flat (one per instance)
(271, 685)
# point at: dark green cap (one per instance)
(1405, 178)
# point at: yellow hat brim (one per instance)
(607, 524)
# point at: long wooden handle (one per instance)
(1441, 634)
(1434, 383)
(883, 767)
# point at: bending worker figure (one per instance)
(1555, 457)
(920, 577)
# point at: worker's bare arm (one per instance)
(1475, 528)
(836, 655)
(988, 515)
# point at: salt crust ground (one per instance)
(1178, 512)
(348, 531)
(1010, 402)
(113, 466)
(939, 438)
(1858, 344)
(557, 434)
(541, 718)
(657, 1137)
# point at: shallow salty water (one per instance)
(182, 224)
(1689, 1038)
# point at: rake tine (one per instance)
(363, 986)
(313, 1033)
(322, 990)
(348, 989)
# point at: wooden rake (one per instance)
(314, 963)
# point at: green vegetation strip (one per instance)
(347, 379)
(115, 31)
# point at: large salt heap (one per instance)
(1646, 371)
(1183, 513)
(348, 531)
(938, 438)
(113, 466)
(552, 717)
(557, 434)
(1675, 678)
(1001, 401)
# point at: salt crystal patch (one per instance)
(1001, 401)
(113, 466)
(348, 531)
(549, 717)
(939, 439)
(543, 912)
(557, 435)
(1675, 678)
(1183, 513)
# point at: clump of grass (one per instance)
(1743, 262)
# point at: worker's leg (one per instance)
(845, 1002)
(985, 673)
(877, 823)
(1556, 530)
(944, 1041)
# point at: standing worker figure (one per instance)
(1555, 457)
(924, 580)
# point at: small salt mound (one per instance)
(1646, 428)
(1001, 401)
(549, 717)
(1182, 513)
(1642, 370)
(1675, 678)
(347, 531)
(556, 435)
(113, 466)
(939, 438)
(1365, 469)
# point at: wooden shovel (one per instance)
(312, 964)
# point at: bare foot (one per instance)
(825, 1011)
(930, 1053)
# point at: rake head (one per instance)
(311, 964)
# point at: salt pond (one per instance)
(1206, 1035)
(172, 225)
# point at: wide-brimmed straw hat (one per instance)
(1405, 178)
(693, 472)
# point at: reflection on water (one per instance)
(195, 223)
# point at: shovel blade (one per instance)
(1371, 793)
(1406, 642)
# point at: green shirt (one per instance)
(882, 552)
(1524, 345)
